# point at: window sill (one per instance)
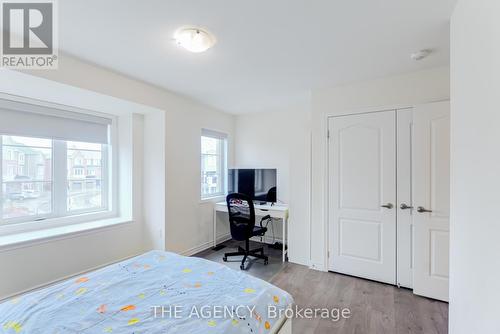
(213, 199)
(26, 239)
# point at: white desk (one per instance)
(279, 211)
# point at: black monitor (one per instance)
(259, 184)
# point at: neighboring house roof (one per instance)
(8, 141)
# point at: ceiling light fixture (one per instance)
(194, 39)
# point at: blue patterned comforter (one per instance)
(157, 292)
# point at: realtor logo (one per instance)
(29, 34)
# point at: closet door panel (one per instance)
(431, 165)
(362, 195)
(405, 202)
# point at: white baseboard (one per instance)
(209, 244)
(302, 262)
(318, 266)
(206, 245)
(267, 240)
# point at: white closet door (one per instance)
(404, 207)
(431, 169)
(362, 178)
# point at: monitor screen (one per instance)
(259, 184)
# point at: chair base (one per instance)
(257, 253)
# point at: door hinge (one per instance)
(327, 254)
(328, 134)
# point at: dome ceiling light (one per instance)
(194, 39)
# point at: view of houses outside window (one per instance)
(27, 183)
(26, 176)
(84, 176)
(212, 166)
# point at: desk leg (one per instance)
(285, 257)
(215, 228)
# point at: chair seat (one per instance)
(258, 231)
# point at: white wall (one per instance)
(183, 225)
(475, 168)
(26, 266)
(188, 220)
(403, 90)
(153, 178)
(281, 139)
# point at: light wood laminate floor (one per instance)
(375, 307)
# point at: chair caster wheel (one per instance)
(224, 259)
(242, 267)
(266, 262)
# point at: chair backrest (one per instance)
(271, 195)
(241, 216)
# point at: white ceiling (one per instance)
(270, 53)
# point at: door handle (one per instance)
(421, 209)
(404, 206)
(387, 206)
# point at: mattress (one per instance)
(157, 292)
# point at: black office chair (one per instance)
(242, 223)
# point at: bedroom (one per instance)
(125, 124)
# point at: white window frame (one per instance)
(223, 157)
(60, 216)
(104, 186)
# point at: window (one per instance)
(213, 164)
(54, 166)
(87, 196)
(26, 191)
(77, 172)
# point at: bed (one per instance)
(157, 292)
